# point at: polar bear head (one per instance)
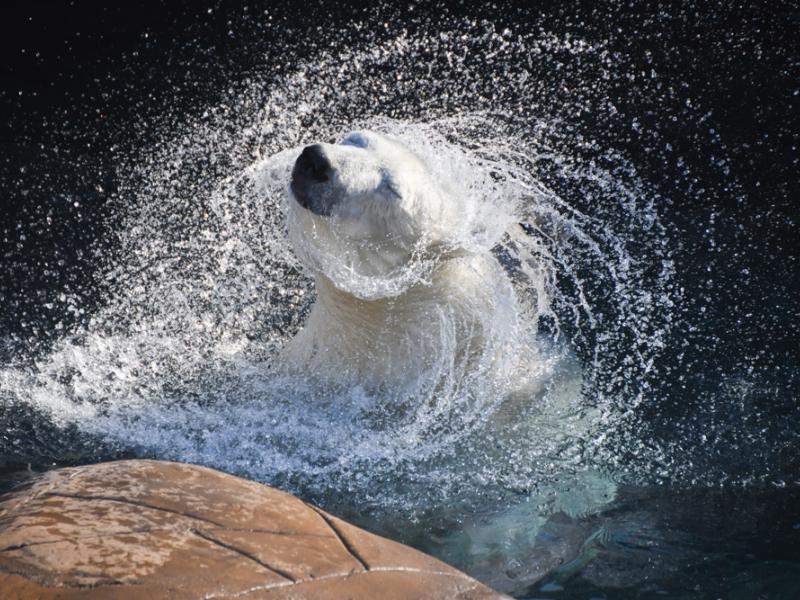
(367, 207)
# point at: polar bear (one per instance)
(399, 293)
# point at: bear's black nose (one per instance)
(312, 169)
(312, 164)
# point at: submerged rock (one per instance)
(140, 528)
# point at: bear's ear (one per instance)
(356, 138)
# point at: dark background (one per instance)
(80, 80)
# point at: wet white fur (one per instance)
(390, 213)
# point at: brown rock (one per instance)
(150, 529)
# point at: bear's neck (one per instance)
(384, 339)
(347, 309)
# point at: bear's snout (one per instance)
(311, 169)
(312, 164)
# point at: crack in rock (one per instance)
(85, 537)
(343, 575)
(342, 538)
(136, 503)
(244, 553)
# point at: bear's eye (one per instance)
(355, 139)
(388, 187)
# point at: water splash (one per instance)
(202, 288)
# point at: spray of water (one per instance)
(203, 288)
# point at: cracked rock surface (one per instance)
(152, 529)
